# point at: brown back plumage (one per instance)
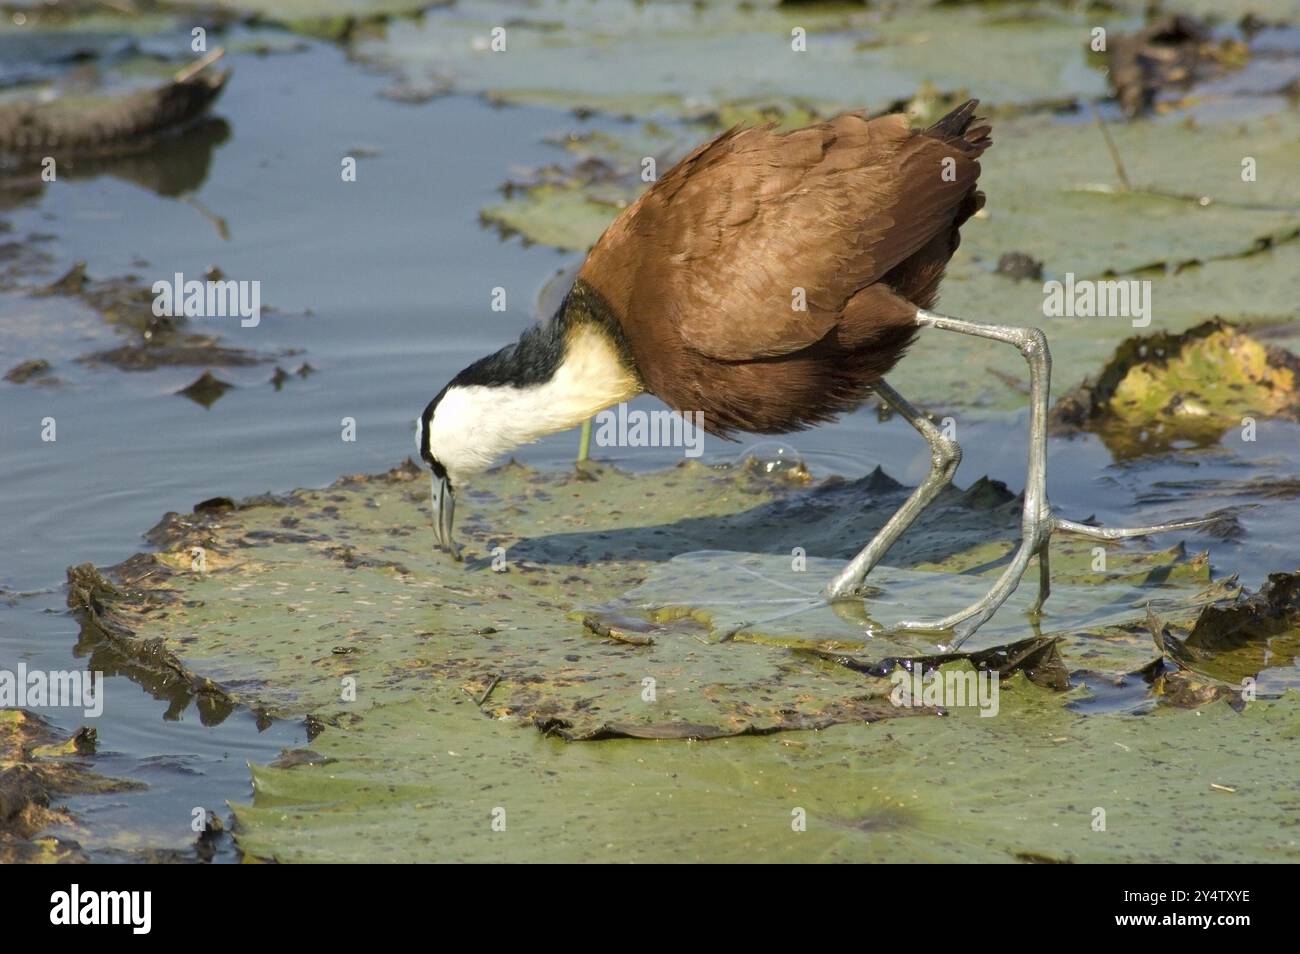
(702, 271)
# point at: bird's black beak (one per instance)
(444, 514)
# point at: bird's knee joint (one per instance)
(1033, 342)
(945, 455)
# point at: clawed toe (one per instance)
(966, 621)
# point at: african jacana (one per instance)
(692, 295)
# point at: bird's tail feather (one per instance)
(963, 129)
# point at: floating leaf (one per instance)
(453, 669)
(609, 57)
(1161, 389)
(276, 602)
(72, 126)
(424, 780)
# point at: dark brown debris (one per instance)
(1020, 266)
(107, 608)
(155, 341)
(1228, 624)
(1196, 669)
(27, 370)
(1172, 53)
(38, 768)
(617, 634)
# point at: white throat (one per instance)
(474, 426)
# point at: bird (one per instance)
(768, 281)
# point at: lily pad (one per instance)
(70, 126)
(327, 19)
(334, 603)
(1163, 389)
(279, 602)
(431, 780)
(608, 57)
(1274, 11)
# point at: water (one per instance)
(385, 284)
(396, 275)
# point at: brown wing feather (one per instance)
(733, 229)
(702, 270)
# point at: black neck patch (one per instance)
(536, 356)
(426, 418)
(538, 353)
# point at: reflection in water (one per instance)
(173, 166)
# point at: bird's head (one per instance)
(443, 499)
(475, 419)
(449, 435)
(553, 378)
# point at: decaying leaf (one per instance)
(1227, 625)
(1164, 388)
(1173, 52)
(1230, 643)
(1173, 678)
(126, 305)
(37, 768)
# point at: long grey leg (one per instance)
(945, 455)
(1037, 522)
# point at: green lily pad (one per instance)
(329, 602)
(566, 216)
(1274, 11)
(426, 780)
(1162, 389)
(613, 620)
(326, 19)
(1052, 191)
